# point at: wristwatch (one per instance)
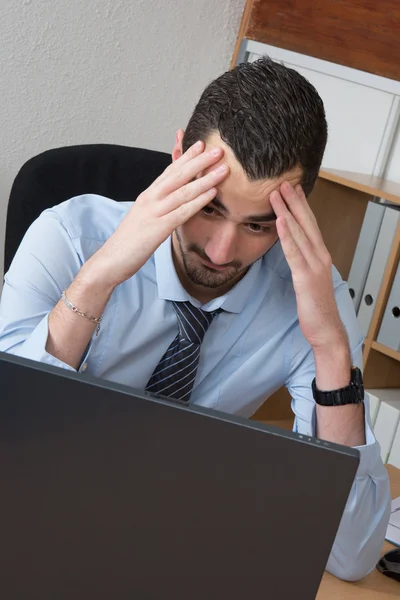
(351, 394)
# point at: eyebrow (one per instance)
(270, 216)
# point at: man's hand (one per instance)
(173, 198)
(311, 266)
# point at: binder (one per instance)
(364, 251)
(389, 332)
(387, 420)
(394, 456)
(387, 230)
(374, 403)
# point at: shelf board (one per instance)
(369, 184)
(385, 350)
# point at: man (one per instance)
(215, 286)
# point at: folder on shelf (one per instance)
(387, 419)
(389, 332)
(364, 250)
(374, 403)
(394, 456)
(387, 231)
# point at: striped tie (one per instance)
(175, 373)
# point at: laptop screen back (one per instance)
(107, 493)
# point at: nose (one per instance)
(221, 246)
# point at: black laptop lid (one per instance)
(107, 493)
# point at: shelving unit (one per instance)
(357, 34)
(385, 350)
(339, 201)
(374, 186)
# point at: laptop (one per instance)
(108, 492)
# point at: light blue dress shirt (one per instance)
(252, 348)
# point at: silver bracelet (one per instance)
(76, 310)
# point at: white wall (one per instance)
(114, 71)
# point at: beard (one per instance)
(202, 274)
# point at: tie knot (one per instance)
(193, 322)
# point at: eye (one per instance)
(256, 228)
(208, 210)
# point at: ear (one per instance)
(177, 151)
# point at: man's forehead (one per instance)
(237, 186)
(214, 139)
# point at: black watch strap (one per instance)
(351, 394)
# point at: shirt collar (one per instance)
(170, 288)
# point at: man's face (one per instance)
(213, 250)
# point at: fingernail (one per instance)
(215, 151)
(198, 145)
(221, 168)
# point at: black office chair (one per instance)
(118, 172)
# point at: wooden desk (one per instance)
(373, 587)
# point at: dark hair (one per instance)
(271, 117)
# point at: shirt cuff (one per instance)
(369, 452)
(34, 348)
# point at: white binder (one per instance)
(391, 218)
(387, 419)
(389, 333)
(394, 456)
(374, 403)
(364, 250)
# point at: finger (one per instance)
(296, 232)
(300, 192)
(186, 211)
(294, 256)
(301, 210)
(182, 174)
(194, 189)
(190, 153)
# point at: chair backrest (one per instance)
(118, 172)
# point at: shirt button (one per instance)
(84, 367)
